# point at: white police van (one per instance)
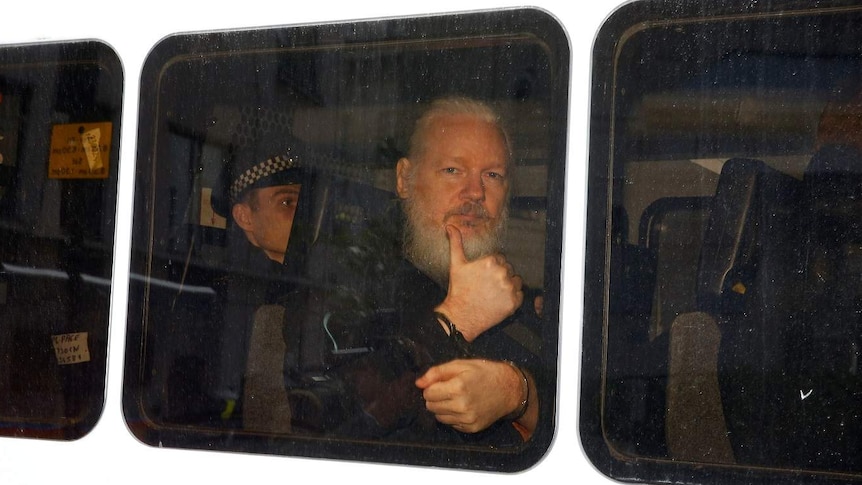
(75, 80)
(685, 201)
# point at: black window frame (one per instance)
(437, 32)
(64, 254)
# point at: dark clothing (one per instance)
(211, 342)
(407, 340)
(253, 281)
(359, 329)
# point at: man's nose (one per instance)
(473, 188)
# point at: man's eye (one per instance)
(450, 170)
(496, 176)
(288, 202)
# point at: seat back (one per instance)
(827, 340)
(672, 230)
(744, 282)
(265, 405)
(696, 428)
(637, 364)
(755, 212)
(749, 280)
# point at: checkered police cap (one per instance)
(259, 164)
(263, 170)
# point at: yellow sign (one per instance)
(80, 151)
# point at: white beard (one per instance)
(426, 244)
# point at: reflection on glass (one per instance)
(727, 244)
(59, 132)
(293, 247)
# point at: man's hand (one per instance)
(482, 293)
(471, 394)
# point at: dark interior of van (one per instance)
(723, 277)
(60, 107)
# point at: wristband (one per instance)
(519, 412)
(455, 336)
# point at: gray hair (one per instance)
(453, 106)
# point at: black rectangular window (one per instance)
(723, 291)
(276, 305)
(60, 107)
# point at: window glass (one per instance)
(60, 110)
(273, 305)
(721, 324)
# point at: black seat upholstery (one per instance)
(744, 278)
(826, 339)
(749, 279)
(636, 366)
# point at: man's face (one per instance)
(460, 177)
(267, 217)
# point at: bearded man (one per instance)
(454, 291)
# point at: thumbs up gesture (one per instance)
(481, 293)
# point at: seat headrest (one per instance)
(835, 159)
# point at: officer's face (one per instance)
(267, 217)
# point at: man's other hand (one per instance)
(471, 394)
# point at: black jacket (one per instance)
(404, 340)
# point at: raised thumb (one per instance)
(456, 246)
